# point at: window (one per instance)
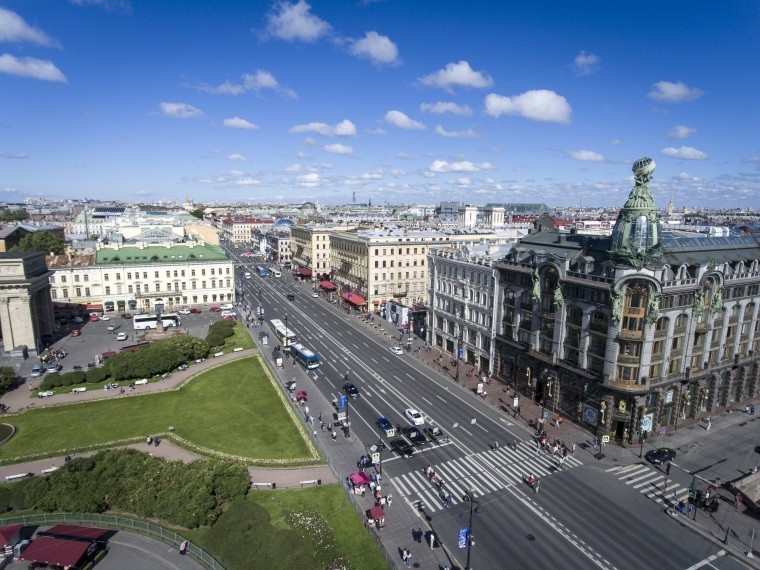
(76, 278)
(78, 291)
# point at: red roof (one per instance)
(55, 551)
(303, 271)
(355, 299)
(327, 285)
(72, 531)
(9, 532)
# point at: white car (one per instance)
(397, 350)
(184, 311)
(105, 318)
(227, 306)
(45, 394)
(315, 294)
(414, 416)
(228, 314)
(112, 327)
(122, 336)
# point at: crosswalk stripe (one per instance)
(401, 483)
(631, 480)
(635, 472)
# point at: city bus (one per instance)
(148, 321)
(276, 273)
(308, 358)
(262, 270)
(286, 336)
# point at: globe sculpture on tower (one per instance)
(636, 237)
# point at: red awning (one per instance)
(359, 478)
(327, 285)
(354, 299)
(94, 307)
(73, 531)
(55, 551)
(303, 271)
(9, 532)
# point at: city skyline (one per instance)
(449, 101)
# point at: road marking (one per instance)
(707, 560)
(440, 398)
(465, 431)
(428, 402)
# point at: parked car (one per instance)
(184, 311)
(414, 435)
(78, 320)
(105, 318)
(122, 336)
(112, 327)
(402, 447)
(76, 332)
(414, 416)
(227, 306)
(45, 394)
(195, 310)
(215, 309)
(396, 350)
(94, 318)
(436, 434)
(53, 367)
(37, 371)
(661, 455)
(228, 313)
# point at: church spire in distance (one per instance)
(636, 237)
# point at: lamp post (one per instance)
(459, 352)
(345, 390)
(286, 342)
(470, 537)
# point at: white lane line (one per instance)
(707, 560)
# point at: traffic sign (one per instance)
(463, 537)
(663, 429)
(342, 401)
(376, 457)
(605, 439)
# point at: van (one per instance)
(247, 274)
(276, 273)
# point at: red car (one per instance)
(229, 318)
(76, 332)
(195, 310)
(94, 318)
(215, 309)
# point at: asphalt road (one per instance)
(582, 517)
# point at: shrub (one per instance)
(96, 375)
(65, 380)
(214, 339)
(76, 377)
(159, 357)
(7, 379)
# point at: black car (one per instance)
(415, 435)
(351, 390)
(402, 447)
(661, 455)
(436, 434)
(291, 297)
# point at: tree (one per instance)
(7, 379)
(198, 212)
(9, 215)
(44, 242)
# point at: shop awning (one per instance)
(94, 307)
(354, 299)
(109, 304)
(132, 303)
(55, 551)
(121, 303)
(327, 285)
(303, 272)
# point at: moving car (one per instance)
(112, 327)
(351, 390)
(386, 427)
(195, 310)
(436, 434)
(315, 294)
(661, 455)
(227, 306)
(397, 350)
(121, 336)
(414, 435)
(105, 318)
(215, 309)
(291, 297)
(414, 416)
(76, 332)
(45, 394)
(401, 447)
(184, 311)
(37, 371)
(126, 315)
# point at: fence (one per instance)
(118, 523)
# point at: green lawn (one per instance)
(241, 339)
(233, 409)
(263, 531)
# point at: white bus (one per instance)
(276, 273)
(285, 336)
(148, 321)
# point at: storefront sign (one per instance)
(646, 422)
(590, 415)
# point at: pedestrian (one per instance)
(314, 433)
(148, 440)
(536, 485)
(667, 468)
(496, 446)
(738, 500)
(389, 500)
(561, 461)
(709, 423)
(334, 435)
(408, 558)
(320, 417)
(515, 448)
(665, 486)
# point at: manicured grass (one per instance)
(232, 409)
(258, 533)
(241, 339)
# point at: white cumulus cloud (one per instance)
(247, 181)
(180, 110)
(585, 63)
(684, 153)
(337, 148)
(238, 123)
(440, 166)
(681, 132)
(674, 92)
(14, 29)
(586, 155)
(468, 134)
(538, 105)
(380, 49)
(237, 157)
(256, 82)
(463, 181)
(402, 121)
(343, 129)
(295, 22)
(309, 180)
(31, 67)
(443, 107)
(458, 74)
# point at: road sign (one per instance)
(342, 401)
(605, 439)
(462, 538)
(663, 429)
(376, 457)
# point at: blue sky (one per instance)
(398, 101)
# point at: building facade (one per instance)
(310, 245)
(633, 332)
(239, 230)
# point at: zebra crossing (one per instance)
(649, 482)
(484, 472)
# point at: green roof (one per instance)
(177, 253)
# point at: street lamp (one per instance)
(286, 342)
(345, 390)
(459, 352)
(470, 537)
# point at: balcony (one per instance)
(628, 386)
(630, 335)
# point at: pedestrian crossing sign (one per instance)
(605, 439)
(376, 457)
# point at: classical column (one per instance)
(585, 337)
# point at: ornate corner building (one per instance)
(636, 331)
